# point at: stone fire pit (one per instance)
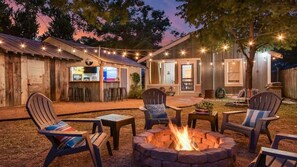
(154, 148)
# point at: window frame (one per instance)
(230, 84)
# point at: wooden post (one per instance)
(101, 85)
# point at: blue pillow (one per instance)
(68, 141)
(156, 110)
(253, 116)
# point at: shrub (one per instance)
(135, 89)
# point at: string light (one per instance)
(211, 63)
(95, 50)
(273, 58)
(225, 47)
(108, 52)
(104, 51)
(1, 41)
(203, 50)
(166, 53)
(150, 54)
(183, 52)
(124, 54)
(85, 50)
(200, 63)
(114, 52)
(137, 54)
(23, 45)
(280, 37)
(150, 59)
(136, 57)
(251, 43)
(59, 50)
(73, 50)
(43, 48)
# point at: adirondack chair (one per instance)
(41, 112)
(156, 96)
(275, 157)
(265, 101)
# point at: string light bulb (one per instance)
(150, 54)
(223, 63)
(182, 52)
(137, 54)
(108, 52)
(280, 37)
(203, 50)
(73, 50)
(211, 63)
(114, 52)
(59, 50)
(43, 48)
(225, 47)
(23, 45)
(200, 63)
(85, 50)
(251, 43)
(150, 59)
(166, 53)
(273, 58)
(95, 50)
(1, 42)
(136, 57)
(104, 51)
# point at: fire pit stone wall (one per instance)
(153, 148)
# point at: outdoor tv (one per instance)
(90, 69)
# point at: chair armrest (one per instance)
(142, 108)
(279, 153)
(63, 133)
(281, 136)
(174, 108)
(81, 119)
(233, 112)
(269, 119)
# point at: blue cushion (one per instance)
(68, 141)
(253, 116)
(156, 110)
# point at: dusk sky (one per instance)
(169, 6)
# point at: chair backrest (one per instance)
(154, 96)
(41, 110)
(266, 101)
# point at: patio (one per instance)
(16, 152)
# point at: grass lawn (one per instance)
(22, 146)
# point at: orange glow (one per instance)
(182, 139)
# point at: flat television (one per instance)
(90, 69)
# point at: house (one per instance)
(52, 68)
(188, 69)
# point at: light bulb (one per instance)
(104, 51)
(225, 47)
(166, 53)
(150, 54)
(23, 45)
(114, 52)
(85, 50)
(137, 54)
(95, 50)
(73, 50)
(223, 63)
(251, 43)
(150, 59)
(183, 52)
(203, 50)
(280, 37)
(211, 63)
(1, 41)
(43, 48)
(59, 50)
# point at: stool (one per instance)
(114, 92)
(88, 96)
(123, 93)
(71, 94)
(107, 96)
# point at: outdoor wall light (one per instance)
(88, 62)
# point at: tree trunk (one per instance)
(249, 69)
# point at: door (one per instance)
(187, 77)
(124, 79)
(36, 71)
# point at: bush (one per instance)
(135, 89)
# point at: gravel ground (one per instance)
(22, 146)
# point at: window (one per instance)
(84, 74)
(233, 72)
(110, 73)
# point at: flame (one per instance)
(182, 138)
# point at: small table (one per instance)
(115, 122)
(213, 119)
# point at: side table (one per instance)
(115, 122)
(213, 119)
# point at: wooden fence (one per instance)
(289, 81)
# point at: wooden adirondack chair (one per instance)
(265, 101)
(274, 157)
(41, 112)
(156, 96)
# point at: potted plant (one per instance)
(204, 107)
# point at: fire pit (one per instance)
(161, 147)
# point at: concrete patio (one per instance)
(68, 108)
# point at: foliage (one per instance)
(135, 89)
(5, 22)
(144, 29)
(242, 22)
(204, 105)
(60, 26)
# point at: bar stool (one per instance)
(114, 94)
(71, 94)
(107, 95)
(88, 96)
(123, 93)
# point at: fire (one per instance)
(182, 138)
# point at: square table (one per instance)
(115, 122)
(212, 118)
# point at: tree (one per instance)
(252, 24)
(60, 26)
(5, 22)
(144, 30)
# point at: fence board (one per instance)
(289, 81)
